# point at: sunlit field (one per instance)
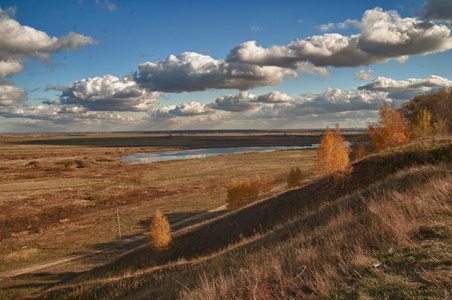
(59, 195)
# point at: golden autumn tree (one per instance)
(391, 130)
(333, 155)
(243, 193)
(160, 232)
(438, 104)
(422, 126)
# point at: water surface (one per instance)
(151, 157)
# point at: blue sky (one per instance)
(98, 65)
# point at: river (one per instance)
(151, 157)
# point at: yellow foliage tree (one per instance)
(439, 104)
(160, 232)
(423, 126)
(391, 130)
(244, 193)
(333, 155)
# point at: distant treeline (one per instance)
(237, 131)
(185, 132)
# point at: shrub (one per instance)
(294, 178)
(82, 164)
(33, 164)
(160, 232)
(243, 193)
(93, 197)
(66, 163)
(358, 152)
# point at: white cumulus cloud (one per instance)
(242, 101)
(330, 101)
(11, 95)
(189, 109)
(19, 43)
(406, 89)
(67, 115)
(197, 72)
(364, 75)
(384, 35)
(275, 97)
(108, 93)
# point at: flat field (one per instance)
(59, 195)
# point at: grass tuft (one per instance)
(20, 255)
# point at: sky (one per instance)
(110, 65)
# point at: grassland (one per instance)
(58, 195)
(386, 234)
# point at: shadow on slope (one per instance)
(265, 215)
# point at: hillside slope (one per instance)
(317, 241)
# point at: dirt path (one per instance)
(67, 259)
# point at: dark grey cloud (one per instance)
(438, 10)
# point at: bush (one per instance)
(66, 163)
(294, 178)
(160, 232)
(243, 193)
(359, 151)
(33, 164)
(82, 164)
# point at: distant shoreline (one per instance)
(189, 132)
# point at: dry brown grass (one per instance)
(63, 210)
(338, 244)
(308, 243)
(19, 255)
